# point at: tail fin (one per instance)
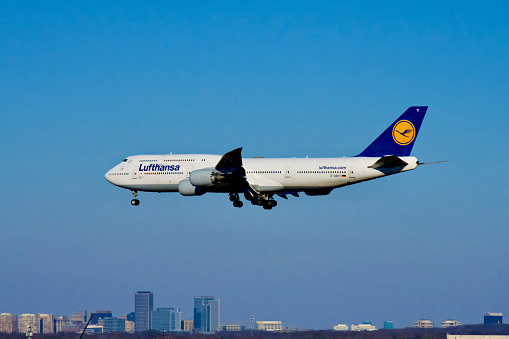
(398, 139)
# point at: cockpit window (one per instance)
(125, 160)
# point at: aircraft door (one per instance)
(189, 169)
(132, 167)
(351, 172)
(288, 174)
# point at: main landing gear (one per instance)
(234, 197)
(135, 202)
(264, 200)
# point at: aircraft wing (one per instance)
(234, 173)
(231, 162)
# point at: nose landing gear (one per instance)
(135, 202)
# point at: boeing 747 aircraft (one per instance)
(260, 179)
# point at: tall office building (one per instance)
(206, 313)
(143, 306)
(167, 318)
(8, 323)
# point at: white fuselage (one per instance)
(163, 173)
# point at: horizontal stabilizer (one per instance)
(388, 161)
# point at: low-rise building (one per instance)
(365, 326)
(94, 329)
(492, 318)
(270, 326)
(388, 325)
(187, 325)
(450, 323)
(112, 324)
(424, 323)
(233, 328)
(341, 327)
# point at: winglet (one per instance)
(399, 138)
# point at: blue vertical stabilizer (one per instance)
(399, 138)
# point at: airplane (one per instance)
(261, 179)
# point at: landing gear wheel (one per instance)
(135, 202)
(238, 204)
(267, 206)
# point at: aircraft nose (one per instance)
(108, 177)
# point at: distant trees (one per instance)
(404, 333)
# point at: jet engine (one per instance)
(205, 177)
(188, 189)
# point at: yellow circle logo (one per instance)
(403, 132)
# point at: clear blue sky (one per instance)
(84, 84)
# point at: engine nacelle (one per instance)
(188, 189)
(205, 177)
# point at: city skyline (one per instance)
(206, 319)
(85, 84)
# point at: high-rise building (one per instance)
(206, 313)
(8, 323)
(46, 323)
(492, 318)
(166, 318)
(143, 306)
(26, 321)
(197, 309)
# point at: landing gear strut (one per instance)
(135, 202)
(234, 197)
(264, 200)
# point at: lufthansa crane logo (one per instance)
(403, 132)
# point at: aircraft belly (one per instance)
(152, 187)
